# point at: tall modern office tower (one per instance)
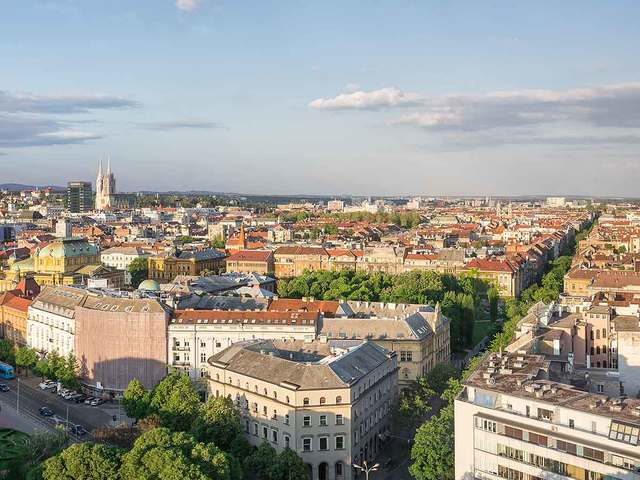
(79, 197)
(105, 187)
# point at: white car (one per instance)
(47, 385)
(69, 394)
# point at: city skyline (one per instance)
(266, 98)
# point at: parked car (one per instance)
(47, 385)
(81, 398)
(73, 397)
(88, 400)
(63, 391)
(4, 387)
(79, 430)
(96, 401)
(46, 412)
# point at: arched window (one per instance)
(339, 469)
(598, 334)
(604, 349)
(593, 352)
(323, 400)
(275, 394)
(287, 398)
(265, 392)
(591, 334)
(604, 333)
(338, 399)
(305, 401)
(597, 350)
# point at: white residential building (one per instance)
(121, 258)
(329, 402)
(512, 422)
(196, 335)
(51, 319)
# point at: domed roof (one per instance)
(67, 247)
(149, 285)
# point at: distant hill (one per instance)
(15, 187)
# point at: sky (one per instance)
(335, 97)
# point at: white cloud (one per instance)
(183, 124)
(388, 97)
(28, 120)
(603, 106)
(187, 5)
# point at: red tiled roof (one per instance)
(250, 256)
(238, 316)
(327, 307)
(300, 250)
(13, 301)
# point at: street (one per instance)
(32, 398)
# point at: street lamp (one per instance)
(366, 469)
(18, 397)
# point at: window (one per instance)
(600, 387)
(591, 334)
(265, 432)
(339, 469)
(274, 436)
(604, 333)
(264, 411)
(572, 423)
(287, 399)
(604, 349)
(487, 425)
(323, 400)
(512, 432)
(537, 439)
(339, 419)
(597, 350)
(246, 426)
(598, 334)
(339, 442)
(624, 432)
(324, 443)
(593, 454)
(593, 351)
(286, 419)
(203, 357)
(255, 429)
(287, 441)
(338, 399)
(546, 415)
(306, 445)
(305, 401)
(323, 420)
(306, 421)
(406, 355)
(275, 394)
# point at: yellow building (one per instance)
(13, 317)
(165, 267)
(64, 261)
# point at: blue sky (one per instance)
(370, 97)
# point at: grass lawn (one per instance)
(480, 330)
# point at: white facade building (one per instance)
(195, 335)
(330, 403)
(121, 258)
(512, 422)
(51, 319)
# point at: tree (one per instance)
(135, 400)
(415, 404)
(139, 271)
(67, 372)
(84, 461)
(7, 352)
(259, 464)
(176, 401)
(32, 450)
(288, 466)
(438, 377)
(493, 296)
(218, 242)
(26, 358)
(433, 448)
(219, 422)
(160, 453)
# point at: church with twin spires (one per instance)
(105, 187)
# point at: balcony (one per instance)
(181, 348)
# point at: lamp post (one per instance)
(18, 397)
(366, 469)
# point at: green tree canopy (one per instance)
(26, 357)
(83, 461)
(176, 401)
(161, 454)
(7, 352)
(433, 448)
(218, 422)
(139, 271)
(135, 400)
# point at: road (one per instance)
(32, 398)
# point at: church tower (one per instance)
(105, 187)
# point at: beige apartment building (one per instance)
(513, 422)
(329, 402)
